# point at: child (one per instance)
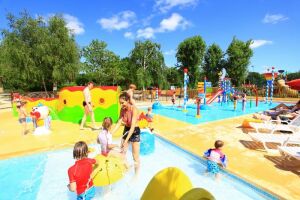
(215, 158)
(80, 174)
(234, 101)
(22, 115)
(244, 99)
(149, 116)
(105, 137)
(173, 97)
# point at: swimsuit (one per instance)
(22, 120)
(84, 103)
(135, 137)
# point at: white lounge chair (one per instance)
(281, 139)
(289, 153)
(292, 126)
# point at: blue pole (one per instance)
(272, 86)
(267, 92)
(185, 89)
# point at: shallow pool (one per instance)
(213, 112)
(44, 176)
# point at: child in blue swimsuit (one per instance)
(215, 158)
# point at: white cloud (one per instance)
(73, 24)
(166, 25)
(129, 35)
(274, 19)
(146, 33)
(172, 23)
(165, 5)
(259, 43)
(119, 21)
(170, 52)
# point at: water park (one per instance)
(81, 122)
(34, 157)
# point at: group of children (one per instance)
(81, 173)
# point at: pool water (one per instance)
(44, 176)
(216, 111)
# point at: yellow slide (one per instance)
(285, 89)
(172, 184)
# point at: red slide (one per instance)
(214, 96)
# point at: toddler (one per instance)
(215, 157)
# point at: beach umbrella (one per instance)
(108, 171)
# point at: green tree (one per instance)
(148, 61)
(101, 64)
(238, 59)
(190, 54)
(174, 77)
(36, 55)
(256, 78)
(213, 63)
(64, 52)
(292, 76)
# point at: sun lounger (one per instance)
(290, 154)
(281, 139)
(292, 126)
(293, 152)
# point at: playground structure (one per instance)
(225, 89)
(68, 106)
(285, 88)
(270, 77)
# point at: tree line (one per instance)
(36, 53)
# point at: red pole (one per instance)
(198, 101)
(198, 107)
(256, 98)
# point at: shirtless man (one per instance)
(88, 107)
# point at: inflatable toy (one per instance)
(169, 183)
(108, 171)
(197, 194)
(41, 119)
(156, 105)
(144, 120)
(147, 145)
(246, 122)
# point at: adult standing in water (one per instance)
(88, 106)
(131, 133)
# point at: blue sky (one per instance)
(274, 25)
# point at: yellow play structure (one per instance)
(172, 184)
